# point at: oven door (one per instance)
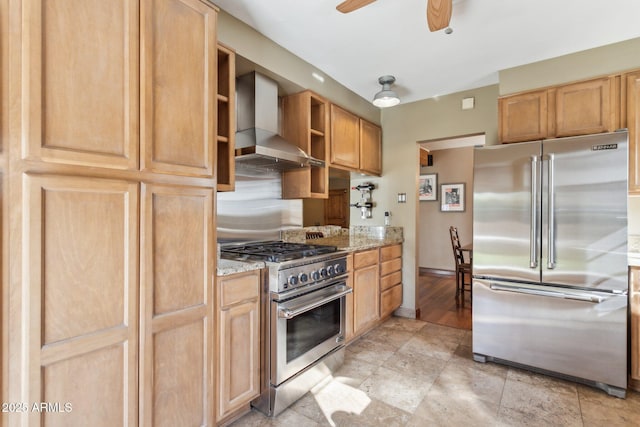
(306, 328)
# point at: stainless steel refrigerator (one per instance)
(550, 278)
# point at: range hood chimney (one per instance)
(258, 145)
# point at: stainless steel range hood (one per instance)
(258, 144)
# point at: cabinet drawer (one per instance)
(364, 259)
(390, 300)
(390, 252)
(391, 280)
(388, 267)
(239, 287)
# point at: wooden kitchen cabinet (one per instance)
(238, 344)
(581, 108)
(178, 100)
(366, 292)
(306, 124)
(390, 279)
(634, 302)
(523, 117)
(370, 148)
(81, 86)
(345, 135)
(632, 83)
(81, 309)
(176, 305)
(356, 144)
(225, 147)
(110, 211)
(587, 107)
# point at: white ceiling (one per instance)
(392, 37)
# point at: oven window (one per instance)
(311, 328)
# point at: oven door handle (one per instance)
(290, 313)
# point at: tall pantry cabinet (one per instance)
(109, 111)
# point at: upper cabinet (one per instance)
(523, 117)
(306, 124)
(178, 90)
(587, 107)
(597, 105)
(345, 134)
(81, 93)
(226, 119)
(134, 92)
(356, 144)
(580, 108)
(370, 148)
(632, 84)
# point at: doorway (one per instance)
(451, 164)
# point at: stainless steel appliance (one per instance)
(258, 144)
(304, 323)
(550, 275)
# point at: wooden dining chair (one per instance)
(463, 264)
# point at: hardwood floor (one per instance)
(437, 302)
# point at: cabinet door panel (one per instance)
(82, 91)
(82, 278)
(344, 138)
(366, 297)
(176, 305)
(370, 148)
(584, 108)
(179, 107)
(239, 356)
(633, 124)
(74, 381)
(523, 117)
(390, 300)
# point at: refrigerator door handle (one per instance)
(551, 238)
(533, 225)
(580, 296)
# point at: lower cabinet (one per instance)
(390, 279)
(366, 294)
(634, 301)
(375, 275)
(238, 343)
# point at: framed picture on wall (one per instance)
(452, 197)
(428, 187)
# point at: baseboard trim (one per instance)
(435, 271)
(408, 313)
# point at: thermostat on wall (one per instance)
(468, 103)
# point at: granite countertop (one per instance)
(226, 267)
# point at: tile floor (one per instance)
(413, 373)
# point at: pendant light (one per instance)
(386, 97)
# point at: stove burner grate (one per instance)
(276, 251)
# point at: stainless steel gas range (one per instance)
(304, 317)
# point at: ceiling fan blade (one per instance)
(438, 14)
(351, 5)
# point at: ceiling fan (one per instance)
(438, 11)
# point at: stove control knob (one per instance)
(303, 277)
(338, 269)
(315, 275)
(293, 280)
(330, 271)
(323, 272)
